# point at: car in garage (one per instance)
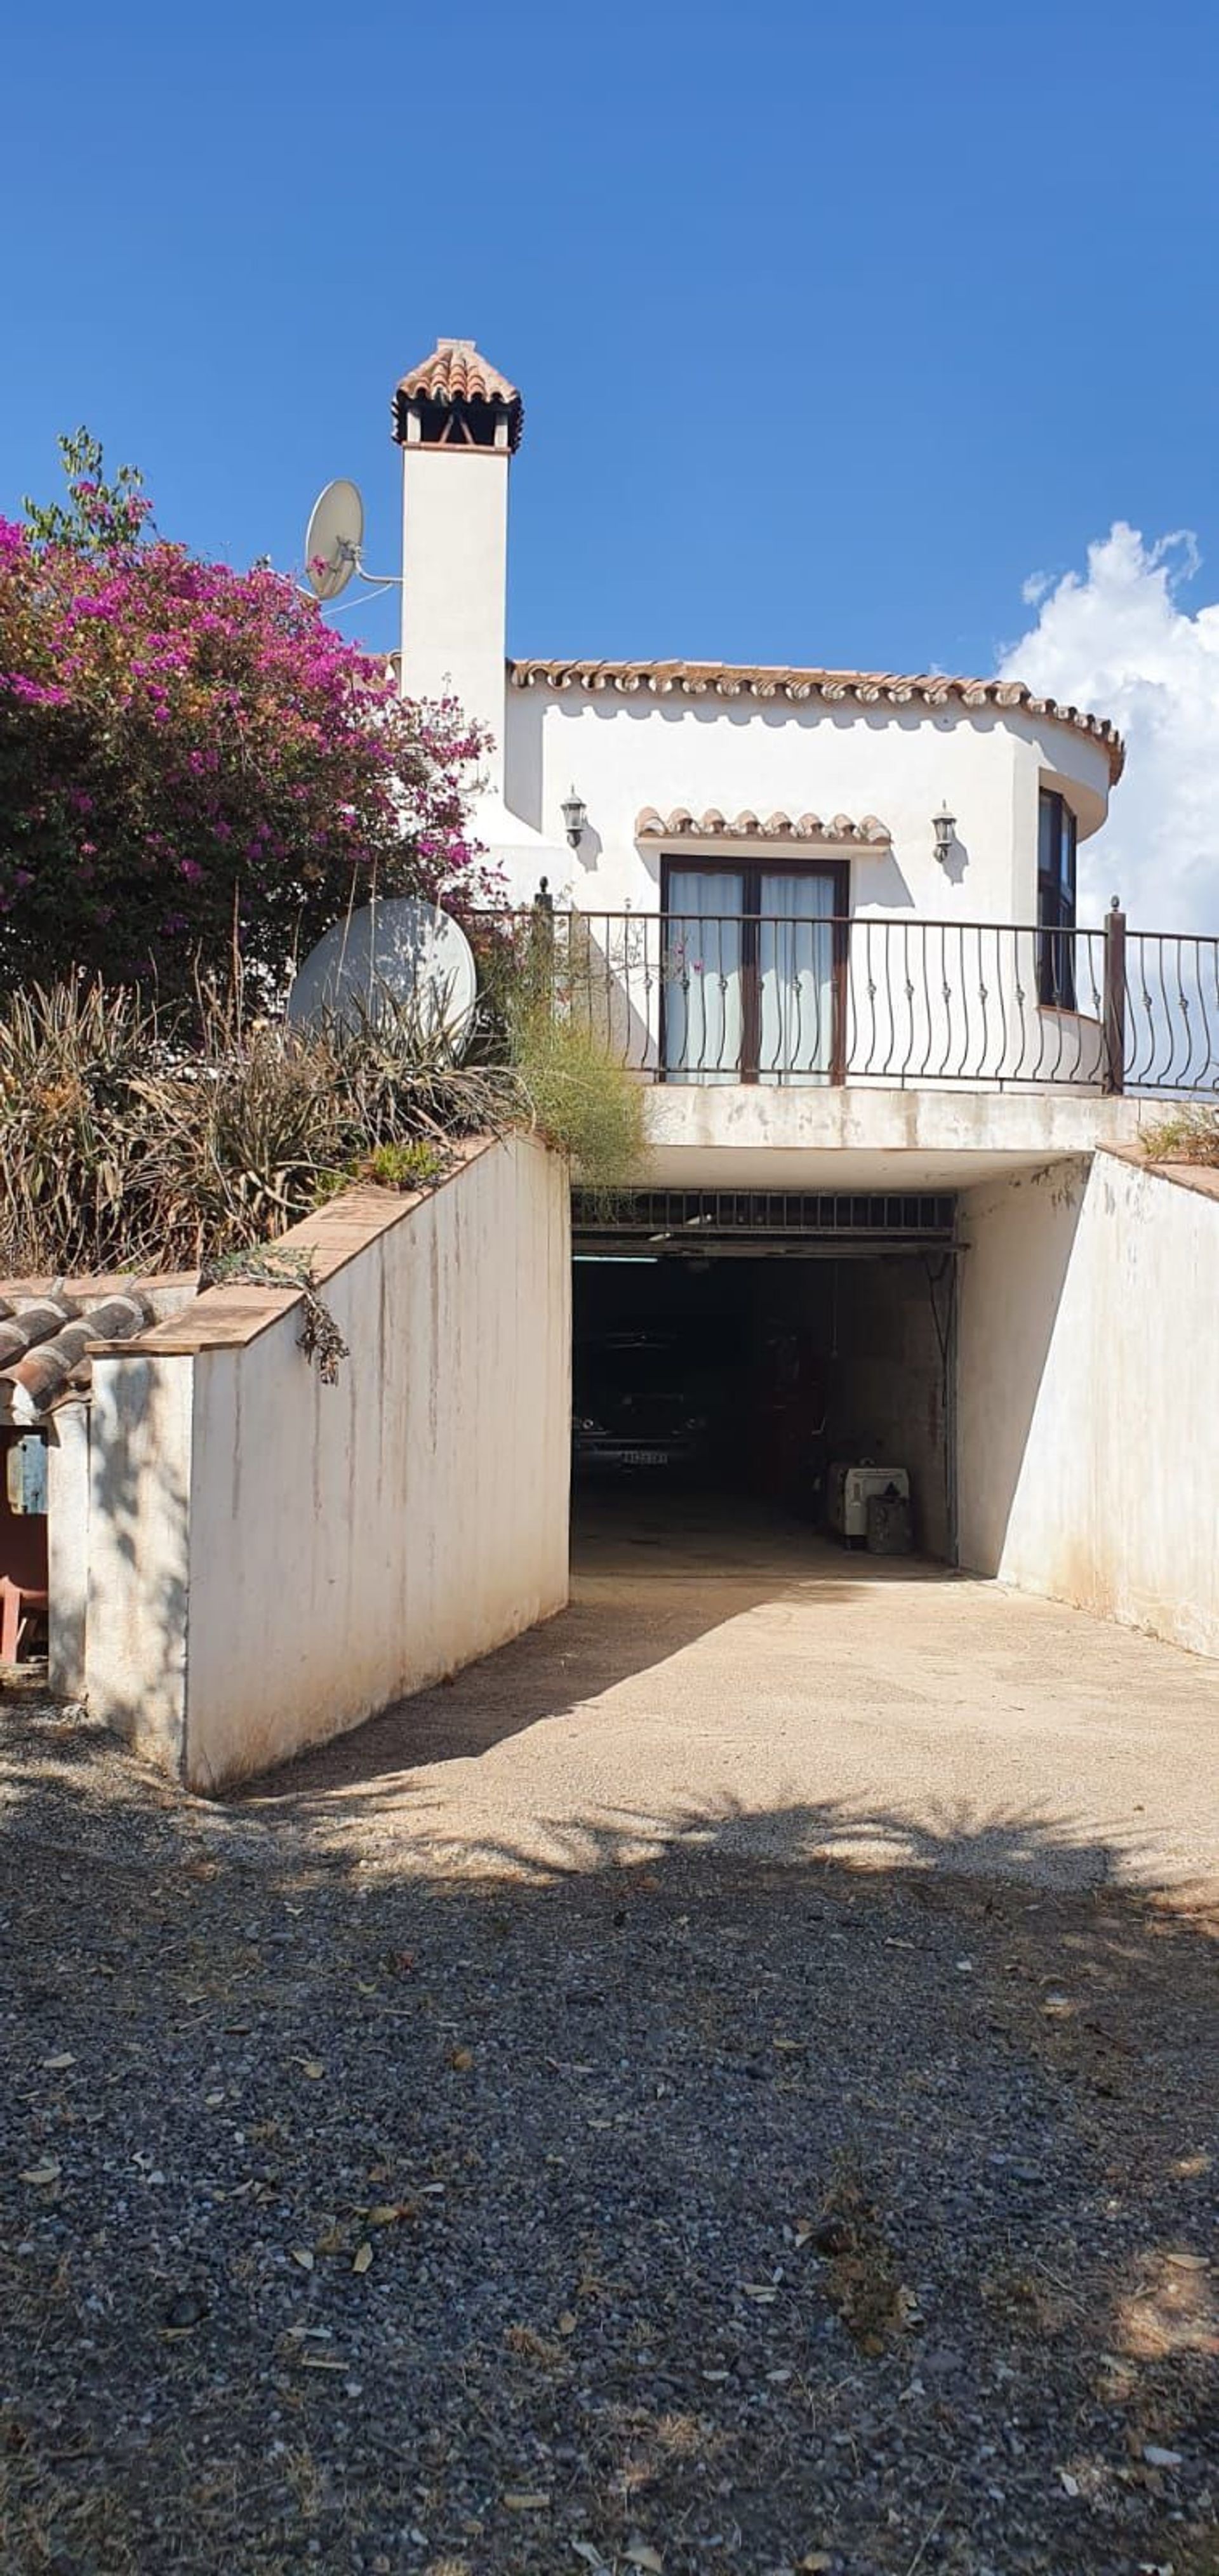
(641, 1405)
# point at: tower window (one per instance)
(1055, 902)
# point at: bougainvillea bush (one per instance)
(194, 769)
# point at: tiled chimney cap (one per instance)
(457, 377)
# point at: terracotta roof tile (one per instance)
(680, 825)
(44, 1344)
(457, 372)
(925, 691)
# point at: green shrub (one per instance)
(583, 1102)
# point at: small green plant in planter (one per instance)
(416, 1164)
(1187, 1135)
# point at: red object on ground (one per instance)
(23, 1560)
(16, 1601)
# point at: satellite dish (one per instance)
(398, 957)
(335, 536)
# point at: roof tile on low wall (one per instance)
(47, 1337)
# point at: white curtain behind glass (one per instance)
(702, 994)
(796, 973)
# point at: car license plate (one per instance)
(644, 1457)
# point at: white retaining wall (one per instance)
(1088, 1393)
(273, 1559)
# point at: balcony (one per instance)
(807, 1003)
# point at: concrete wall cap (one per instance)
(227, 1318)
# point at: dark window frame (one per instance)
(1057, 864)
(751, 869)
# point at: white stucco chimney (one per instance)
(458, 422)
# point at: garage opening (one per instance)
(751, 1347)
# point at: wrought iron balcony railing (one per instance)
(731, 997)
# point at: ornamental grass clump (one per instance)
(548, 995)
(582, 1102)
(241, 1129)
(78, 1189)
(139, 1138)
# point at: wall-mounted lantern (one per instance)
(575, 816)
(944, 826)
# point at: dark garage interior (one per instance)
(742, 1347)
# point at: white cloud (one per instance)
(1118, 641)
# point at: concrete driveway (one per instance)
(728, 1682)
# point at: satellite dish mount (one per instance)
(334, 544)
(396, 958)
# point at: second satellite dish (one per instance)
(398, 957)
(335, 536)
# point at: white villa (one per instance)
(791, 880)
(895, 1212)
(829, 917)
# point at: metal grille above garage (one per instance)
(753, 1222)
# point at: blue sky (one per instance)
(832, 326)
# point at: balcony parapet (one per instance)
(828, 1000)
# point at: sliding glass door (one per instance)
(703, 991)
(796, 978)
(751, 980)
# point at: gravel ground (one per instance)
(715, 2214)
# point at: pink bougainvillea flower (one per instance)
(217, 733)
